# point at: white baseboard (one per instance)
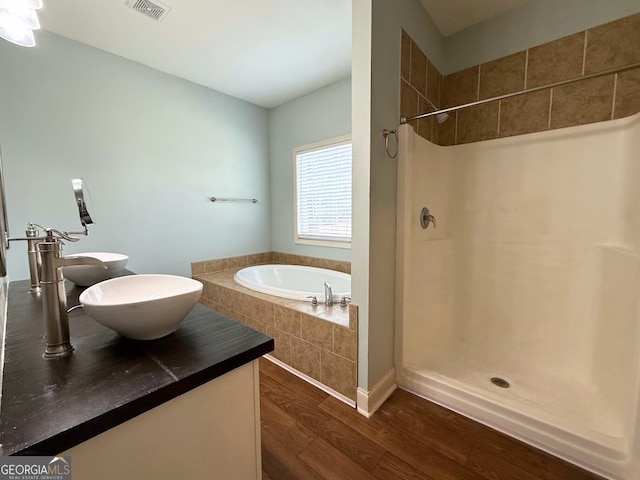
(312, 381)
(369, 401)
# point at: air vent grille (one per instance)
(155, 10)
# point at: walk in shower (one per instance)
(521, 309)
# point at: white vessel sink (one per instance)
(142, 307)
(85, 275)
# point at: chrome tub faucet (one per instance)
(328, 294)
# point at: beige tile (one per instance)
(262, 311)
(526, 113)
(425, 125)
(317, 331)
(266, 329)
(613, 44)
(338, 265)
(305, 357)
(237, 262)
(235, 315)
(418, 69)
(207, 303)
(277, 257)
(336, 314)
(306, 307)
(434, 80)
(555, 61)
(286, 258)
(225, 281)
(231, 299)
(260, 327)
(353, 316)
(197, 268)
(478, 123)
(287, 320)
(345, 343)
(317, 262)
(282, 349)
(338, 373)
(245, 304)
(216, 307)
(217, 292)
(216, 265)
(408, 101)
(344, 267)
(221, 309)
(460, 87)
(628, 93)
(405, 56)
(587, 101)
(224, 297)
(207, 289)
(502, 76)
(257, 258)
(445, 133)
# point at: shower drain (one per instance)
(500, 382)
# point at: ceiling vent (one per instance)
(155, 10)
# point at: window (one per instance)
(323, 193)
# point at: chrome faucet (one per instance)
(328, 294)
(54, 296)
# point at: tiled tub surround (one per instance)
(320, 342)
(612, 45)
(219, 264)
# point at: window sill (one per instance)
(322, 243)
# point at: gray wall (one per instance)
(534, 23)
(317, 116)
(151, 147)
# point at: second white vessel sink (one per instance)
(85, 275)
(142, 307)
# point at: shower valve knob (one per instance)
(426, 218)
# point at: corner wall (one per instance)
(317, 116)
(376, 102)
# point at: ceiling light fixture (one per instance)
(18, 19)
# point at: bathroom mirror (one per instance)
(4, 225)
(79, 190)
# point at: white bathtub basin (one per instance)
(85, 275)
(142, 307)
(295, 282)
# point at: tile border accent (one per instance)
(610, 45)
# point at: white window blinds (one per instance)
(323, 184)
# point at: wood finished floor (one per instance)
(307, 434)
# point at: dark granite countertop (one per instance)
(49, 406)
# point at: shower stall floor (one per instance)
(560, 403)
